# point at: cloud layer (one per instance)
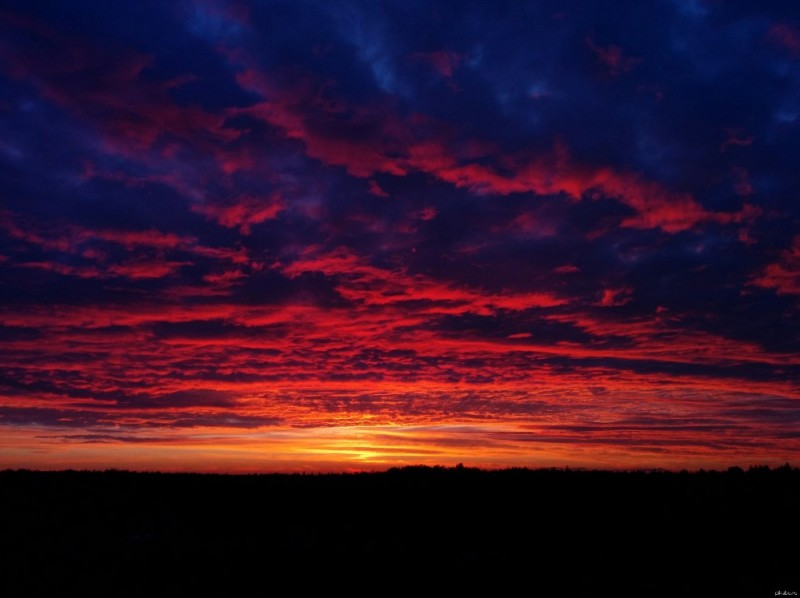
(346, 235)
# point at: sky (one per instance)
(342, 236)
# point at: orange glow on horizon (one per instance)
(367, 448)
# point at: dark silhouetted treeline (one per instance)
(513, 532)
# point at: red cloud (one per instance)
(368, 142)
(734, 138)
(786, 36)
(443, 62)
(333, 141)
(224, 279)
(519, 335)
(613, 58)
(132, 269)
(783, 275)
(654, 205)
(243, 212)
(375, 189)
(368, 285)
(659, 339)
(566, 269)
(530, 224)
(365, 141)
(425, 214)
(146, 238)
(132, 111)
(147, 250)
(317, 369)
(69, 238)
(742, 184)
(615, 297)
(65, 269)
(136, 269)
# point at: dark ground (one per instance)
(414, 531)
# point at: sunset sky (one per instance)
(332, 236)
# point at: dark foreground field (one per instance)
(414, 531)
